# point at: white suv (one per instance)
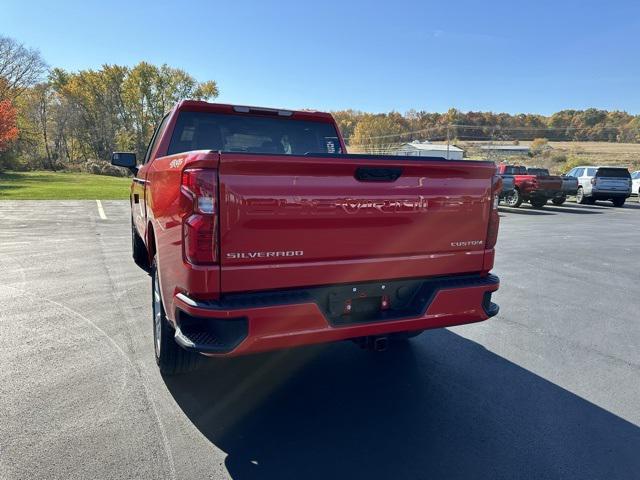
(635, 187)
(602, 183)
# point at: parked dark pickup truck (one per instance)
(261, 233)
(569, 184)
(535, 186)
(569, 187)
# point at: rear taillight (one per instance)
(200, 186)
(494, 218)
(199, 189)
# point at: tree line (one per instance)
(51, 118)
(384, 130)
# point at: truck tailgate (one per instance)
(569, 184)
(550, 183)
(295, 221)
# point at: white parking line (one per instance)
(101, 210)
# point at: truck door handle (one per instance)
(377, 174)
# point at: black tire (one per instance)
(514, 199)
(618, 202)
(580, 198)
(538, 202)
(171, 358)
(559, 200)
(404, 336)
(590, 201)
(139, 250)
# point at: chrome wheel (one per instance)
(513, 199)
(157, 313)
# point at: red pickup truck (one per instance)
(535, 186)
(261, 233)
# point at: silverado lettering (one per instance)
(317, 206)
(249, 255)
(385, 206)
(265, 234)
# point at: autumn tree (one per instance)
(8, 128)
(347, 121)
(148, 92)
(379, 133)
(20, 68)
(45, 127)
(97, 106)
(118, 107)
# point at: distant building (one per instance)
(505, 150)
(428, 149)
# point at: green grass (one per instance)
(62, 186)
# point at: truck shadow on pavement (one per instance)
(631, 204)
(590, 207)
(552, 210)
(523, 211)
(572, 209)
(441, 406)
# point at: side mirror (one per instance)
(126, 160)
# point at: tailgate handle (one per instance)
(377, 174)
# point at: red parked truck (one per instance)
(535, 186)
(261, 233)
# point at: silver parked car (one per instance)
(602, 183)
(635, 187)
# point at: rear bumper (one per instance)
(241, 324)
(608, 194)
(548, 194)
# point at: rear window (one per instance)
(515, 170)
(613, 173)
(252, 134)
(542, 172)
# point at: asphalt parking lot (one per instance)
(550, 388)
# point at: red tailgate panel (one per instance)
(289, 221)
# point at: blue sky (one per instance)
(527, 56)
